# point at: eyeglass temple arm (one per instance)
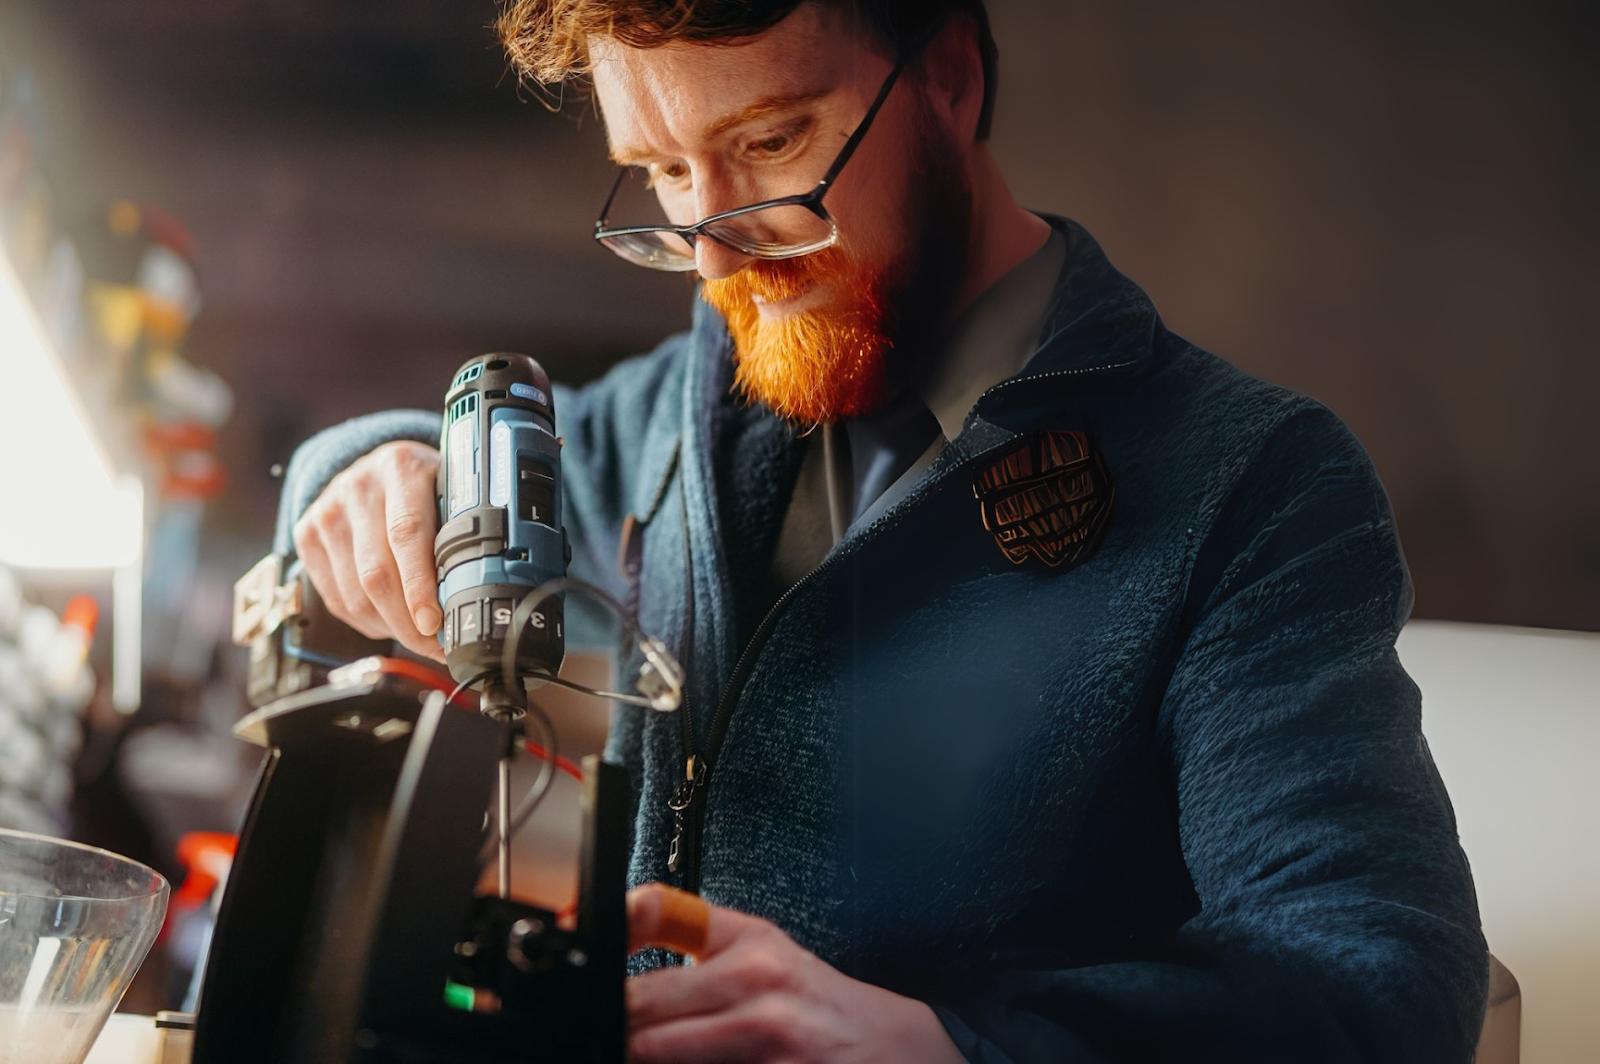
(605, 212)
(854, 142)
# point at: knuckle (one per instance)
(373, 576)
(353, 482)
(329, 520)
(405, 527)
(770, 1021)
(408, 458)
(425, 457)
(358, 609)
(761, 966)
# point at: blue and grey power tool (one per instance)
(500, 532)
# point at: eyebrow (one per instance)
(760, 109)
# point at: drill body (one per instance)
(500, 522)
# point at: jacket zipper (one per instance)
(686, 802)
(682, 797)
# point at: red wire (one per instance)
(561, 763)
(412, 670)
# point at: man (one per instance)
(1042, 696)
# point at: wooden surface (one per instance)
(131, 1039)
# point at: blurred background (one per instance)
(329, 204)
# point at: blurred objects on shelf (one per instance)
(108, 431)
(45, 687)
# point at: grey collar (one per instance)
(993, 338)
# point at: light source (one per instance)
(62, 503)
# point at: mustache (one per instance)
(775, 280)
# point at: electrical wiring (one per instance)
(660, 684)
(660, 678)
(459, 695)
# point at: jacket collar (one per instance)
(1099, 325)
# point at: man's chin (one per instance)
(808, 371)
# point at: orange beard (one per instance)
(817, 365)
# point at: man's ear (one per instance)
(951, 71)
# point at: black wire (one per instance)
(547, 771)
(536, 792)
(509, 652)
(511, 649)
(584, 689)
(468, 682)
(536, 598)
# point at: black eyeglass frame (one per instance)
(811, 201)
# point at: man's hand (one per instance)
(754, 995)
(367, 543)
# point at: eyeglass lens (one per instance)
(771, 232)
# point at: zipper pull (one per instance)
(694, 772)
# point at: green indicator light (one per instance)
(460, 997)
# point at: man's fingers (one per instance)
(659, 915)
(380, 580)
(410, 520)
(672, 993)
(763, 1028)
(757, 965)
(359, 612)
(314, 556)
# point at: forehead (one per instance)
(674, 96)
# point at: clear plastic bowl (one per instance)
(75, 924)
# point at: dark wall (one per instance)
(1384, 205)
(1389, 206)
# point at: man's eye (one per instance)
(780, 142)
(667, 172)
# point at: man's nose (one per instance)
(717, 191)
(716, 261)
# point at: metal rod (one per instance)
(503, 815)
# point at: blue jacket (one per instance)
(1173, 802)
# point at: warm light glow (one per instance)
(61, 504)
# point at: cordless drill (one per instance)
(500, 531)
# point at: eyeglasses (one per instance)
(772, 229)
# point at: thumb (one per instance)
(659, 915)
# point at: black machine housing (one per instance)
(351, 905)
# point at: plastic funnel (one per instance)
(75, 924)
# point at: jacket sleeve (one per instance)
(319, 459)
(606, 428)
(1337, 919)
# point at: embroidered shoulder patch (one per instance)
(1050, 496)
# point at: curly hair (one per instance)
(547, 40)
